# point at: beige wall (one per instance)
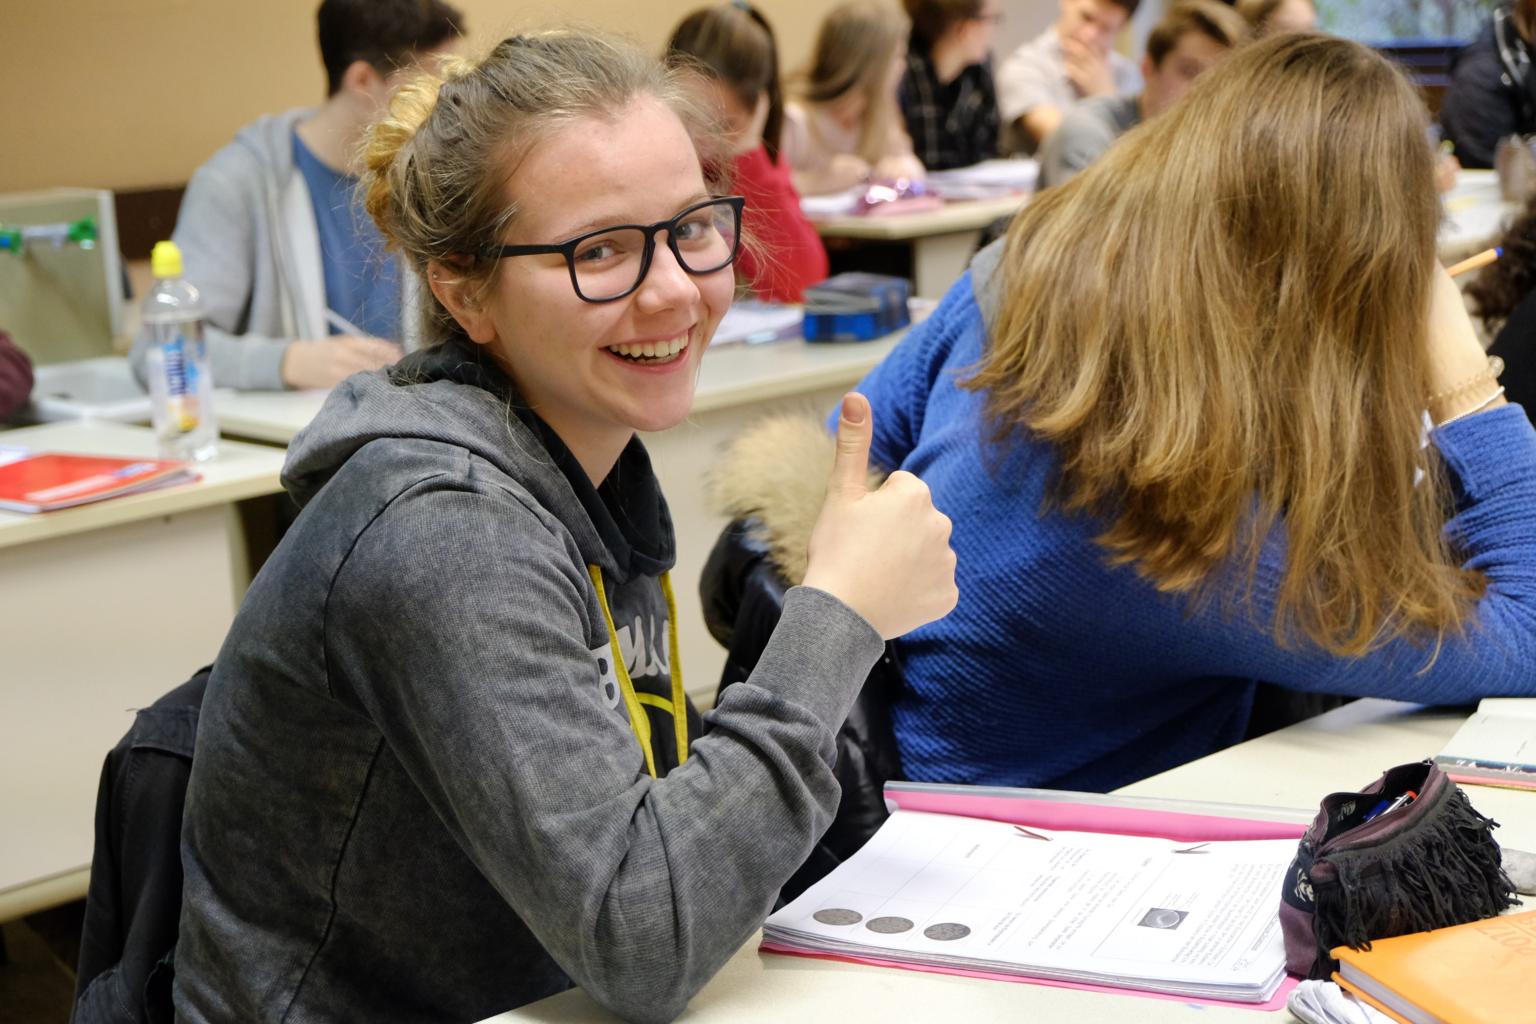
(108, 94)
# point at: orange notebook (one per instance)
(43, 483)
(1478, 973)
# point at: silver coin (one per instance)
(889, 925)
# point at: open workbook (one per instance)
(1167, 915)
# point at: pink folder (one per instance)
(1077, 813)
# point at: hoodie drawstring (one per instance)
(639, 723)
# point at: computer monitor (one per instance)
(60, 300)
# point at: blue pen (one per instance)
(1387, 808)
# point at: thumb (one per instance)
(850, 466)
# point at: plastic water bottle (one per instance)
(180, 386)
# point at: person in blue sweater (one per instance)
(1176, 419)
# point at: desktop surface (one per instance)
(1291, 768)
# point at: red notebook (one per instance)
(43, 483)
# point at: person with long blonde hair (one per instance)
(842, 126)
(1177, 418)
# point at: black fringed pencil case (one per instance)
(1406, 854)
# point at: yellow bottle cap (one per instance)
(165, 260)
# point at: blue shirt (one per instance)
(362, 281)
(1057, 669)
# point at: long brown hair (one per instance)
(854, 48)
(1220, 325)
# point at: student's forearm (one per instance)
(1491, 460)
(639, 888)
(726, 856)
(248, 362)
(820, 183)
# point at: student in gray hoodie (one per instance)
(296, 287)
(445, 764)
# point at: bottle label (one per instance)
(181, 389)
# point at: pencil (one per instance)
(1477, 262)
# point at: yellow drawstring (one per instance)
(639, 724)
(675, 664)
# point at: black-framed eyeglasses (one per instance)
(610, 263)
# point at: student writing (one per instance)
(270, 232)
(841, 125)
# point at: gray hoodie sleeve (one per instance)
(1081, 139)
(217, 230)
(640, 889)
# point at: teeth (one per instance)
(652, 350)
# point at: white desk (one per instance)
(103, 608)
(942, 240)
(738, 384)
(1291, 768)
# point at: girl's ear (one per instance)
(460, 296)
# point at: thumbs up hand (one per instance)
(884, 553)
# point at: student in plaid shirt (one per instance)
(947, 95)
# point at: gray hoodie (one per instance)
(249, 243)
(416, 794)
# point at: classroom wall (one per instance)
(116, 95)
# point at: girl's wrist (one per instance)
(1466, 404)
(1472, 393)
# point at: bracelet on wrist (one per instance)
(1489, 375)
(1479, 407)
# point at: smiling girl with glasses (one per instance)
(446, 765)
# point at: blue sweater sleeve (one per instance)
(1491, 460)
(899, 387)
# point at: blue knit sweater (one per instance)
(1057, 670)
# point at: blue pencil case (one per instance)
(856, 307)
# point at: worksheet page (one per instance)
(934, 888)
